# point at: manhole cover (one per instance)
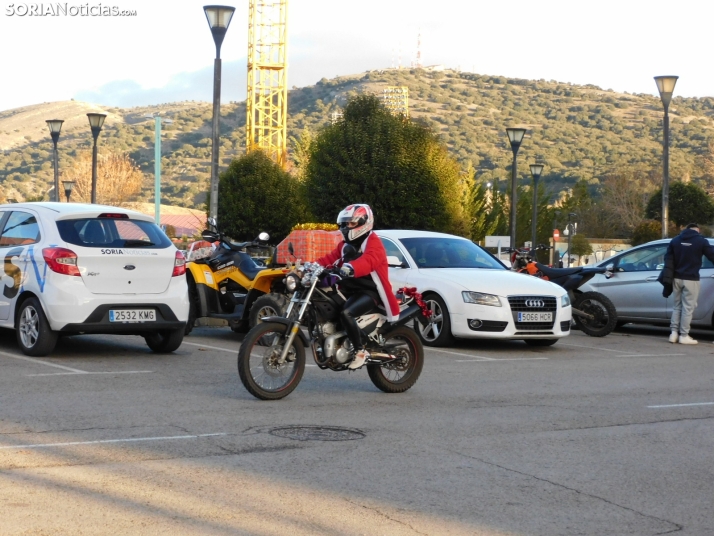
(317, 433)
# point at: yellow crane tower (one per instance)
(267, 101)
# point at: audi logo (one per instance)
(535, 303)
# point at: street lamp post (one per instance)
(55, 125)
(95, 121)
(157, 165)
(515, 137)
(665, 85)
(219, 17)
(68, 186)
(571, 229)
(536, 170)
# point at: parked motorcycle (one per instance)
(271, 360)
(593, 313)
(233, 283)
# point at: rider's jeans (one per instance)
(684, 294)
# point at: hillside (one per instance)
(579, 132)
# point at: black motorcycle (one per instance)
(271, 360)
(593, 313)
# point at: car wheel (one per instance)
(267, 305)
(193, 306)
(33, 332)
(165, 342)
(540, 342)
(438, 331)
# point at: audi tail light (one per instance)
(179, 265)
(61, 260)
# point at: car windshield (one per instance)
(113, 233)
(438, 252)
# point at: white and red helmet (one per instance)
(355, 221)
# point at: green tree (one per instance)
(579, 245)
(687, 203)
(256, 195)
(649, 230)
(398, 167)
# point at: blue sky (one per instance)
(165, 53)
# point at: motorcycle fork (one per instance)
(578, 312)
(295, 326)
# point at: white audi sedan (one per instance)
(471, 294)
(71, 268)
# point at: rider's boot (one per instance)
(359, 360)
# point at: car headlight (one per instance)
(481, 299)
(291, 282)
(565, 300)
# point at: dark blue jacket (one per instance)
(686, 249)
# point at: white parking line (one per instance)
(211, 347)
(592, 348)
(40, 362)
(90, 373)
(482, 358)
(72, 371)
(652, 355)
(684, 405)
(226, 350)
(504, 359)
(128, 440)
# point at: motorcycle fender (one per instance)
(264, 280)
(202, 275)
(208, 300)
(286, 322)
(407, 314)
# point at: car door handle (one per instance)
(654, 278)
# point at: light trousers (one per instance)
(685, 294)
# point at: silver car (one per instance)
(637, 294)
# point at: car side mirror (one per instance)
(394, 262)
(610, 267)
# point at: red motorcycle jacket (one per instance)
(373, 263)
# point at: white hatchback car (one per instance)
(71, 268)
(473, 295)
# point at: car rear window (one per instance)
(112, 233)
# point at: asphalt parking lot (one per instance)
(590, 436)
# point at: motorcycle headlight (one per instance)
(291, 282)
(565, 300)
(481, 299)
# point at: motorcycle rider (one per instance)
(365, 275)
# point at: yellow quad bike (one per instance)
(234, 283)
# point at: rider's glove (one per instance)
(347, 271)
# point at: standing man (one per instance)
(684, 254)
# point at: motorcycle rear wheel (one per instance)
(258, 369)
(599, 306)
(400, 374)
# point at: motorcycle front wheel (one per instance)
(259, 368)
(600, 308)
(400, 374)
